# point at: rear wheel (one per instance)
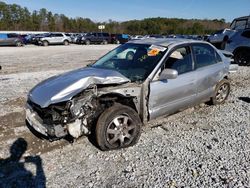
(87, 42)
(242, 57)
(104, 42)
(19, 44)
(221, 93)
(118, 127)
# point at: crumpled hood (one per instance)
(63, 87)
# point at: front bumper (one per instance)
(37, 124)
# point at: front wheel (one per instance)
(45, 43)
(19, 44)
(118, 127)
(221, 93)
(66, 43)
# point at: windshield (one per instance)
(134, 61)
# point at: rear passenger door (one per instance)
(10, 40)
(208, 68)
(58, 38)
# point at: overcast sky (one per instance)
(103, 10)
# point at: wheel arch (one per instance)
(112, 98)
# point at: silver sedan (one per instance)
(131, 85)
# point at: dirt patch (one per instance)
(19, 102)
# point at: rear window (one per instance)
(12, 35)
(205, 55)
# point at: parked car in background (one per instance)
(239, 45)
(114, 96)
(10, 39)
(95, 38)
(137, 37)
(240, 23)
(119, 38)
(34, 39)
(78, 38)
(74, 36)
(54, 38)
(220, 38)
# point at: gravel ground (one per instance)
(204, 146)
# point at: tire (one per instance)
(221, 93)
(19, 44)
(117, 127)
(45, 43)
(242, 57)
(104, 42)
(66, 43)
(87, 42)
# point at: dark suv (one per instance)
(96, 38)
(119, 38)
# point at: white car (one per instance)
(239, 45)
(55, 38)
(221, 37)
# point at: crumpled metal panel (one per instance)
(63, 87)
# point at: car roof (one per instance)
(242, 18)
(164, 41)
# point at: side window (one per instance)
(205, 55)
(12, 35)
(240, 24)
(246, 34)
(105, 34)
(58, 35)
(99, 34)
(180, 60)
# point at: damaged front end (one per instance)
(58, 120)
(58, 107)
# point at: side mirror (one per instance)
(168, 74)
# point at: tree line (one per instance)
(15, 17)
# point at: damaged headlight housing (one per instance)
(76, 108)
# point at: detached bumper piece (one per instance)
(37, 124)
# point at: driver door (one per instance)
(171, 95)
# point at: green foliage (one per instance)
(14, 17)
